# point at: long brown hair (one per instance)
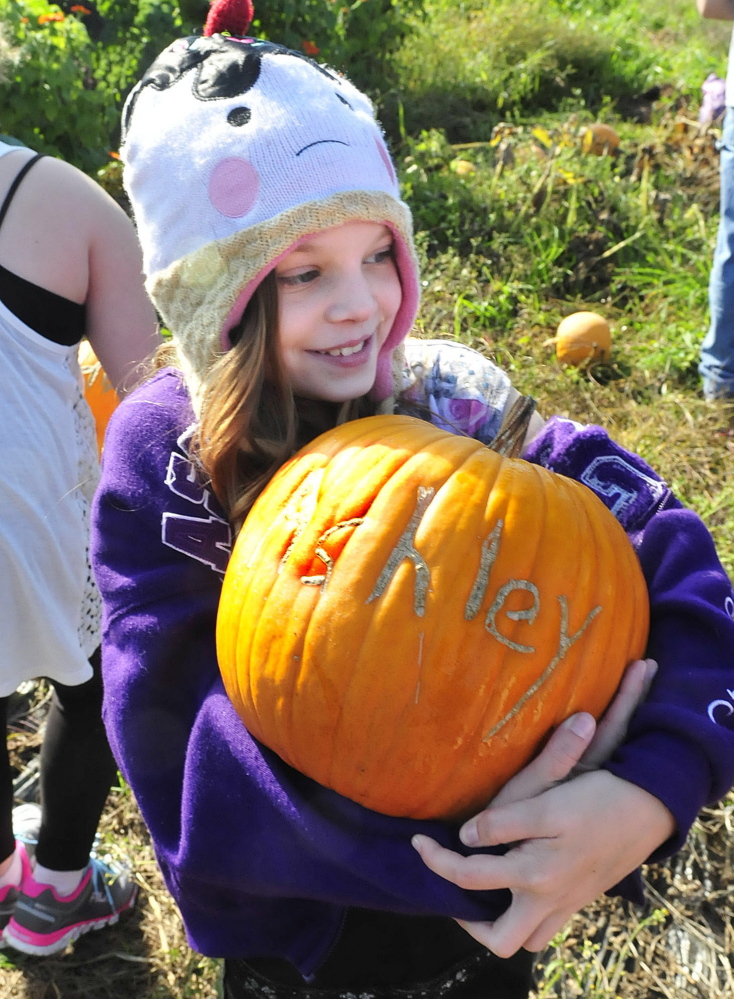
(250, 422)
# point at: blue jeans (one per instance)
(717, 350)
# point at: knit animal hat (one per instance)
(235, 149)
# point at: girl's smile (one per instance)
(338, 295)
(348, 352)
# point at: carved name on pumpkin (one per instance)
(405, 549)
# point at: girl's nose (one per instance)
(352, 299)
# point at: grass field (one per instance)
(533, 230)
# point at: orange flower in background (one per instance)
(115, 156)
(80, 9)
(56, 16)
(310, 49)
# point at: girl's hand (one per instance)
(579, 744)
(573, 840)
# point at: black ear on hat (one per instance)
(225, 68)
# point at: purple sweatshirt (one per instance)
(260, 859)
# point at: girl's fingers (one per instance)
(612, 728)
(527, 923)
(479, 872)
(482, 933)
(518, 927)
(559, 756)
(577, 740)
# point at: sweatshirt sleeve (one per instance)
(680, 743)
(236, 831)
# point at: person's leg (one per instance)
(7, 840)
(14, 862)
(717, 351)
(77, 771)
(68, 892)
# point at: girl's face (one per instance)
(338, 295)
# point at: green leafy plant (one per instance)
(68, 68)
(355, 36)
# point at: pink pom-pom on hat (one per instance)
(233, 16)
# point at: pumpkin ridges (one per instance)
(501, 499)
(516, 730)
(329, 693)
(573, 654)
(403, 720)
(280, 639)
(391, 432)
(641, 620)
(640, 625)
(617, 603)
(584, 525)
(258, 592)
(384, 465)
(379, 516)
(580, 527)
(586, 684)
(515, 498)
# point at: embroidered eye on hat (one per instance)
(234, 150)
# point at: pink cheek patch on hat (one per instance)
(233, 187)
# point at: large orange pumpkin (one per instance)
(406, 614)
(98, 390)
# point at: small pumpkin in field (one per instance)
(98, 390)
(599, 140)
(464, 168)
(407, 615)
(583, 337)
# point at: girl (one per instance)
(278, 251)
(69, 266)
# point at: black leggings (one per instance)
(77, 771)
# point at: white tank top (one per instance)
(49, 607)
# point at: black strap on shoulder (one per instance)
(16, 182)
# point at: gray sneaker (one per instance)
(10, 894)
(44, 922)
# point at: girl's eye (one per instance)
(381, 255)
(294, 280)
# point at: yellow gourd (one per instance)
(582, 337)
(599, 139)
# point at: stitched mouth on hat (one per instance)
(321, 142)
